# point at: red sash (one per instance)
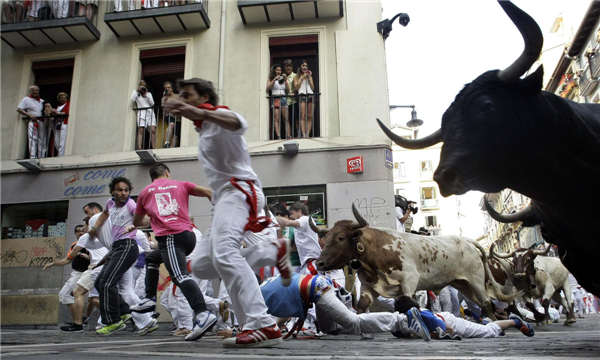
(255, 223)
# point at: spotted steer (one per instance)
(394, 263)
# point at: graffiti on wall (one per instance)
(31, 252)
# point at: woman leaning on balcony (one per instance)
(278, 85)
(303, 83)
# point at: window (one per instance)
(159, 66)
(429, 197)
(302, 117)
(312, 196)
(430, 221)
(426, 169)
(400, 192)
(33, 220)
(52, 77)
(399, 171)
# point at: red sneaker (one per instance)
(266, 337)
(284, 263)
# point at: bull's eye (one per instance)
(487, 107)
(341, 238)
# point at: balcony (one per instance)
(155, 129)
(294, 121)
(130, 18)
(595, 65)
(588, 83)
(253, 12)
(429, 204)
(50, 26)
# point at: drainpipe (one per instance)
(222, 49)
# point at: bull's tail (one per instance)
(495, 287)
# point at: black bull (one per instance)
(504, 132)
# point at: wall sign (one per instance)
(389, 159)
(91, 182)
(355, 165)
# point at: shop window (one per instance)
(297, 49)
(158, 67)
(34, 220)
(312, 196)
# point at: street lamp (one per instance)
(384, 27)
(414, 123)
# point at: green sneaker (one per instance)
(125, 318)
(109, 329)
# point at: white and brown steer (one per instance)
(395, 263)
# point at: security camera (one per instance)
(404, 19)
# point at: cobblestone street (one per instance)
(550, 341)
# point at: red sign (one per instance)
(355, 165)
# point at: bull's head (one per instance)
(523, 260)
(484, 118)
(340, 242)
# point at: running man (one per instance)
(237, 196)
(166, 202)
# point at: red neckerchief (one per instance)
(37, 98)
(206, 106)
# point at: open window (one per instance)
(159, 67)
(296, 48)
(429, 197)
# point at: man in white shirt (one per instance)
(31, 107)
(145, 117)
(577, 292)
(237, 196)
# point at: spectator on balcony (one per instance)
(303, 83)
(60, 8)
(119, 6)
(31, 107)
(13, 8)
(149, 4)
(145, 115)
(87, 8)
(293, 112)
(174, 122)
(279, 86)
(61, 121)
(33, 7)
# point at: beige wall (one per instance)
(354, 84)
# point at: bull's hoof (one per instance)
(572, 321)
(547, 322)
(567, 323)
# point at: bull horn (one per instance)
(532, 36)
(541, 252)
(499, 255)
(361, 222)
(313, 227)
(509, 218)
(416, 144)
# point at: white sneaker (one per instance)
(204, 322)
(150, 327)
(146, 305)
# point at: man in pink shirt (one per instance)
(166, 202)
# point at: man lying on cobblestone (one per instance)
(305, 290)
(444, 325)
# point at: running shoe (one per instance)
(182, 332)
(146, 305)
(109, 329)
(266, 337)
(284, 262)
(522, 325)
(72, 328)
(204, 322)
(125, 318)
(150, 327)
(416, 324)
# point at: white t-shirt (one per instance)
(224, 154)
(307, 241)
(32, 106)
(278, 89)
(143, 102)
(399, 215)
(268, 234)
(142, 241)
(96, 249)
(575, 287)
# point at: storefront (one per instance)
(324, 180)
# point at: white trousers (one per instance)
(36, 137)
(387, 302)
(60, 139)
(578, 297)
(330, 306)
(127, 292)
(65, 296)
(139, 279)
(119, 5)
(169, 302)
(60, 8)
(468, 329)
(219, 255)
(449, 300)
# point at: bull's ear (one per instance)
(356, 235)
(533, 82)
